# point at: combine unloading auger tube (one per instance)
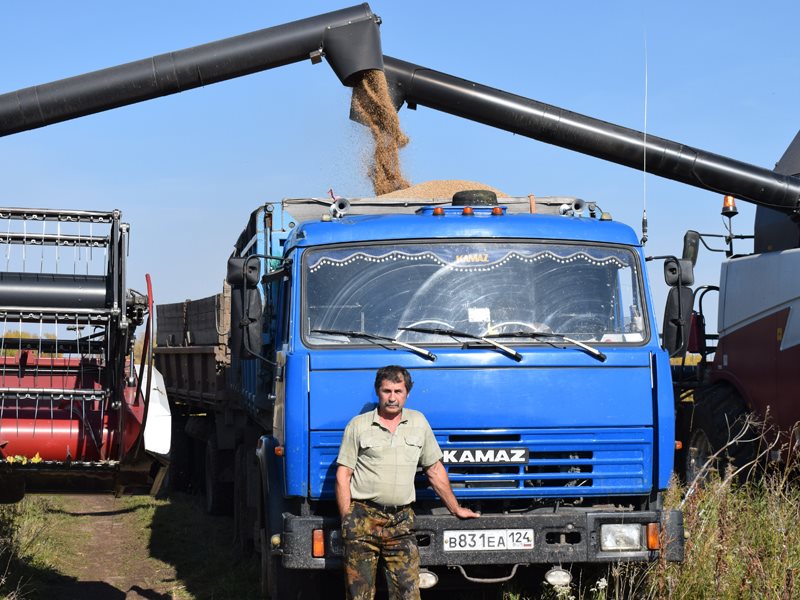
(348, 38)
(415, 85)
(72, 406)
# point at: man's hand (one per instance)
(343, 477)
(440, 483)
(462, 512)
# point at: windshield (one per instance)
(586, 292)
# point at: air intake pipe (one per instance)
(348, 38)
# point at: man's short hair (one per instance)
(395, 374)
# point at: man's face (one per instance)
(391, 397)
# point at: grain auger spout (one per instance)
(348, 38)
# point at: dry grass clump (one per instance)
(22, 546)
(743, 542)
(373, 106)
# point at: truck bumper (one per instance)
(569, 536)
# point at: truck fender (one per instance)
(270, 502)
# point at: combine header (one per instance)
(72, 402)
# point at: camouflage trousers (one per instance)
(370, 534)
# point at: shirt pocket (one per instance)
(413, 445)
(374, 446)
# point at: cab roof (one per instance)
(454, 225)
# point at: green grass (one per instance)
(743, 542)
(38, 549)
(199, 547)
(27, 555)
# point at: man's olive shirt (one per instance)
(384, 463)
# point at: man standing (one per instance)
(377, 460)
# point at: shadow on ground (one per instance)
(52, 585)
(201, 550)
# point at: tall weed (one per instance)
(742, 542)
(22, 545)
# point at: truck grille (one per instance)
(560, 462)
(563, 462)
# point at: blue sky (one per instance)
(188, 169)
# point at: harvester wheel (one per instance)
(719, 435)
(219, 493)
(12, 489)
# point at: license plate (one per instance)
(465, 540)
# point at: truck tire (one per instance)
(179, 475)
(244, 517)
(278, 583)
(718, 416)
(219, 494)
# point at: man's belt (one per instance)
(387, 508)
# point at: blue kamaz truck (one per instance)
(533, 345)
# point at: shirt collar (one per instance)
(376, 418)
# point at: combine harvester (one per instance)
(73, 403)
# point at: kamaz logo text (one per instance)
(486, 455)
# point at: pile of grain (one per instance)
(441, 188)
(373, 105)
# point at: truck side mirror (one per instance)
(677, 318)
(691, 246)
(678, 272)
(246, 309)
(240, 269)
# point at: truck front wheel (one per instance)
(277, 582)
(244, 516)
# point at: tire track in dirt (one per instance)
(104, 552)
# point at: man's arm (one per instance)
(343, 477)
(440, 482)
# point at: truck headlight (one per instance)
(621, 536)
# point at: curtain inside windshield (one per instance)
(590, 293)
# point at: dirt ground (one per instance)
(111, 560)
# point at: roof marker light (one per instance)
(438, 211)
(467, 212)
(497, 211)
(729, 207)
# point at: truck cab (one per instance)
(533, 347)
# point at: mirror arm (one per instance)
(246, 305)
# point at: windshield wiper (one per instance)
(593, 352)
(377, 339)
(455, 333)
